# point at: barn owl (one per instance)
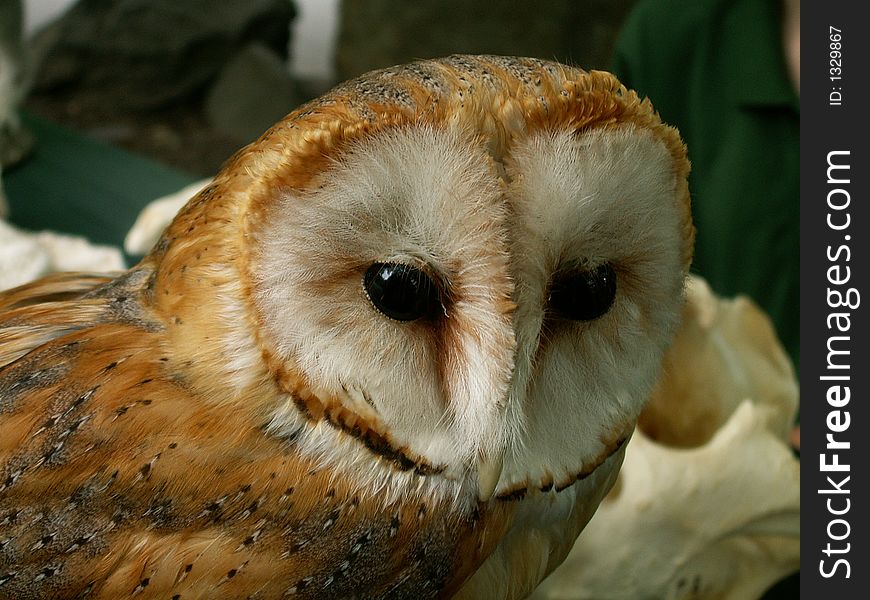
(394, 350)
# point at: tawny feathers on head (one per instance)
(392, 351)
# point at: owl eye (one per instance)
(400, 291)
(584, 295)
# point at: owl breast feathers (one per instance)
(393, 351)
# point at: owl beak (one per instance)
(488, 473)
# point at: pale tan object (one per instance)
(157, 214)
(726, 351)
(712, 508)
(393, 350)
(25, 255)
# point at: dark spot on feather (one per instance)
(11, 479)
(50, 457)
(331, 519)
(213, 509)
(47, 572)
(360, 543)
(74, 427)
(188, 568)
(10, 518)
(232, 573)
(79, 542)
(252, 508)
(81, 399)
(517, 494)
(304, 583)
(288, 438)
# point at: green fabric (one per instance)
(78, 185)
(715, 69)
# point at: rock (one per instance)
(253, 92)
(149, 53)
(380, 33)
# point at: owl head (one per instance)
(468, 268)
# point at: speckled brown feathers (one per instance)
(118, 481)
(178, 432)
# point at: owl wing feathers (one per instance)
(33, 313)
(116, 477)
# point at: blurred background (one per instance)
(186, 83)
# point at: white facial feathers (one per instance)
(416, 197)
(604, 197)
(498, 371)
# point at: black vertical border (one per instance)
(826, 128)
